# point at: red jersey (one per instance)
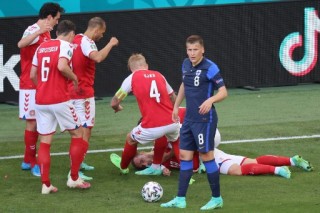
(52, 86)
(173, 162)
(83, 67)
(26, 54)
(152, 93)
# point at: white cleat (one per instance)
(47, 190)
(80, 184)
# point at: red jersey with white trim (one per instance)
(152, 93)
(52, 86)
(83, 67)
(26, 54)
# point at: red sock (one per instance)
(273, 160)
(44, 162)
(30, 141)
(76, 154)
(257, 169)
(128, 153)
(175, 147)
(160, 146)
(196, 161)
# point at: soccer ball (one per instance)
(152, 191)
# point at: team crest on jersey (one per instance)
(32, 113)
(93, 46)
(198, 72)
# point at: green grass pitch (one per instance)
(274, 113)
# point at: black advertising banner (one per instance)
(258, 45)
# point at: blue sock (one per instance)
(213, 177)
(184, 177)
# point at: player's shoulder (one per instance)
(209, 63)
(86, 39)
(32, 28)
(186, 65)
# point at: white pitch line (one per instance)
(149, 147)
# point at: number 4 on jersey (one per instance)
(154, 93)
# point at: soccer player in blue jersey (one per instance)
(200, 78)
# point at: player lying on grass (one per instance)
(227, 163)
(232, 164)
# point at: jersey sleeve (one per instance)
(169, 88)
(35, 58)
(88, 46)
(214, 75)
(30, 30)
(126, 85)
(66, 50)
(125, 88)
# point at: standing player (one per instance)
(50, 72)
(33, 36)
(200, 77)
(86, 54)
(155, 98)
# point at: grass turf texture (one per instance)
(268, 113)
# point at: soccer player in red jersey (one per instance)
(33, 36)
(229, 164)
(51, 72)
(86, 55)
(155, 99)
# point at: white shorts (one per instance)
(148, 135)
(224, 161)
(48, 116)
(27, 104)
(86, 110)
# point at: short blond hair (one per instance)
(137, 61)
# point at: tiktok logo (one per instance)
(294, 40)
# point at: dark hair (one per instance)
(96, 22)
(194, 39)
(64, 27)
(50, 8)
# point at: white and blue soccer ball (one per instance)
(152, 191)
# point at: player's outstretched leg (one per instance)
(116, 160)
(177, 202)
(214, 203)
(302, 163)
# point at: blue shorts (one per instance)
(197, 136)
